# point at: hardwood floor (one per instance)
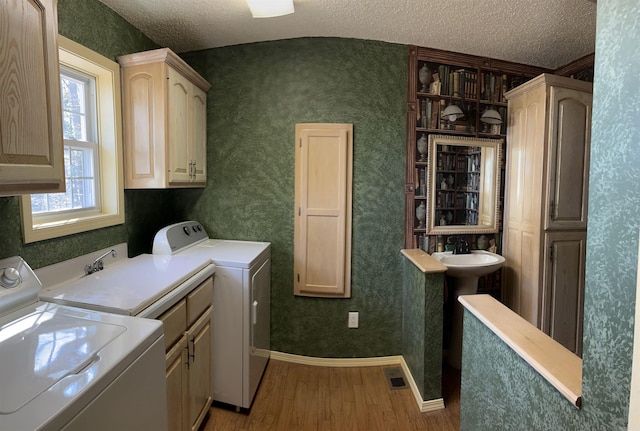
(294, 397)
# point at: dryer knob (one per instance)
(11, 277)
(186, 230)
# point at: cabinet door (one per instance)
(523, 196)
(568, 164)
(200, 396)
(31, 146)
(563, 289)
(144, 112)
(198, 128)
(322, 238)
(177, 386)
(178, 126)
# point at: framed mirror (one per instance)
(463, 185)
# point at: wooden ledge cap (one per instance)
(558, 365)
(423, 261)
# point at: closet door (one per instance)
(322, 238)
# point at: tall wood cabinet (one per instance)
(546, 189)
(31, 145)
(164, 111)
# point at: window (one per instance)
(91, 123)
(79, 127)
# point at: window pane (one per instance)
(74, 99)
(80, 183)
(74, 126)
(76, 163)
(80, 150)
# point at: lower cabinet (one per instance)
(177, 386)
(187, 332)
(199, 376)
(563, 287)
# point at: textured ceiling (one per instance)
(546, 33)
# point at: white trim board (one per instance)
(424, 406)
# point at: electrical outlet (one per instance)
(353, 319)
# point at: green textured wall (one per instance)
(499, 391)
(107, 33)
(422, 317)
(259, 92)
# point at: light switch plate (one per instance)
(353, 319)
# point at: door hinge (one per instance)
(298, 278)
(299, 211)
(552, 209)
(300, 143)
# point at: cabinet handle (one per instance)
(188, 363)
(552, 209)
(255, 312)
(193, 348)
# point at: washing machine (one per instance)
(66, 368)
(241, 306)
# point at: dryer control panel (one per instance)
(178, 236)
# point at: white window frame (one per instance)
(109, 123)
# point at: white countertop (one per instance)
(128, 287)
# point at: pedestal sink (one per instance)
(463, 271)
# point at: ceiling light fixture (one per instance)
(270, 8)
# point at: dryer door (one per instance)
(260, 325)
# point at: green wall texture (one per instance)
(499, 391)
(259, 92)
(422, 316)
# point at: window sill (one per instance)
(559, 366)
(39, 232)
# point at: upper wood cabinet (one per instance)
(31, 145)
(164, 109)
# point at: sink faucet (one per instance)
(97, 264)
(462, 247)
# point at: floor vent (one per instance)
(395, 378)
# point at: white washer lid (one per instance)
(58, 404)
(43, 347)
(130, 287)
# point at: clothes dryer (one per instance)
(241, 306)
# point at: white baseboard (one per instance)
(424, 406)
(336, 362)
